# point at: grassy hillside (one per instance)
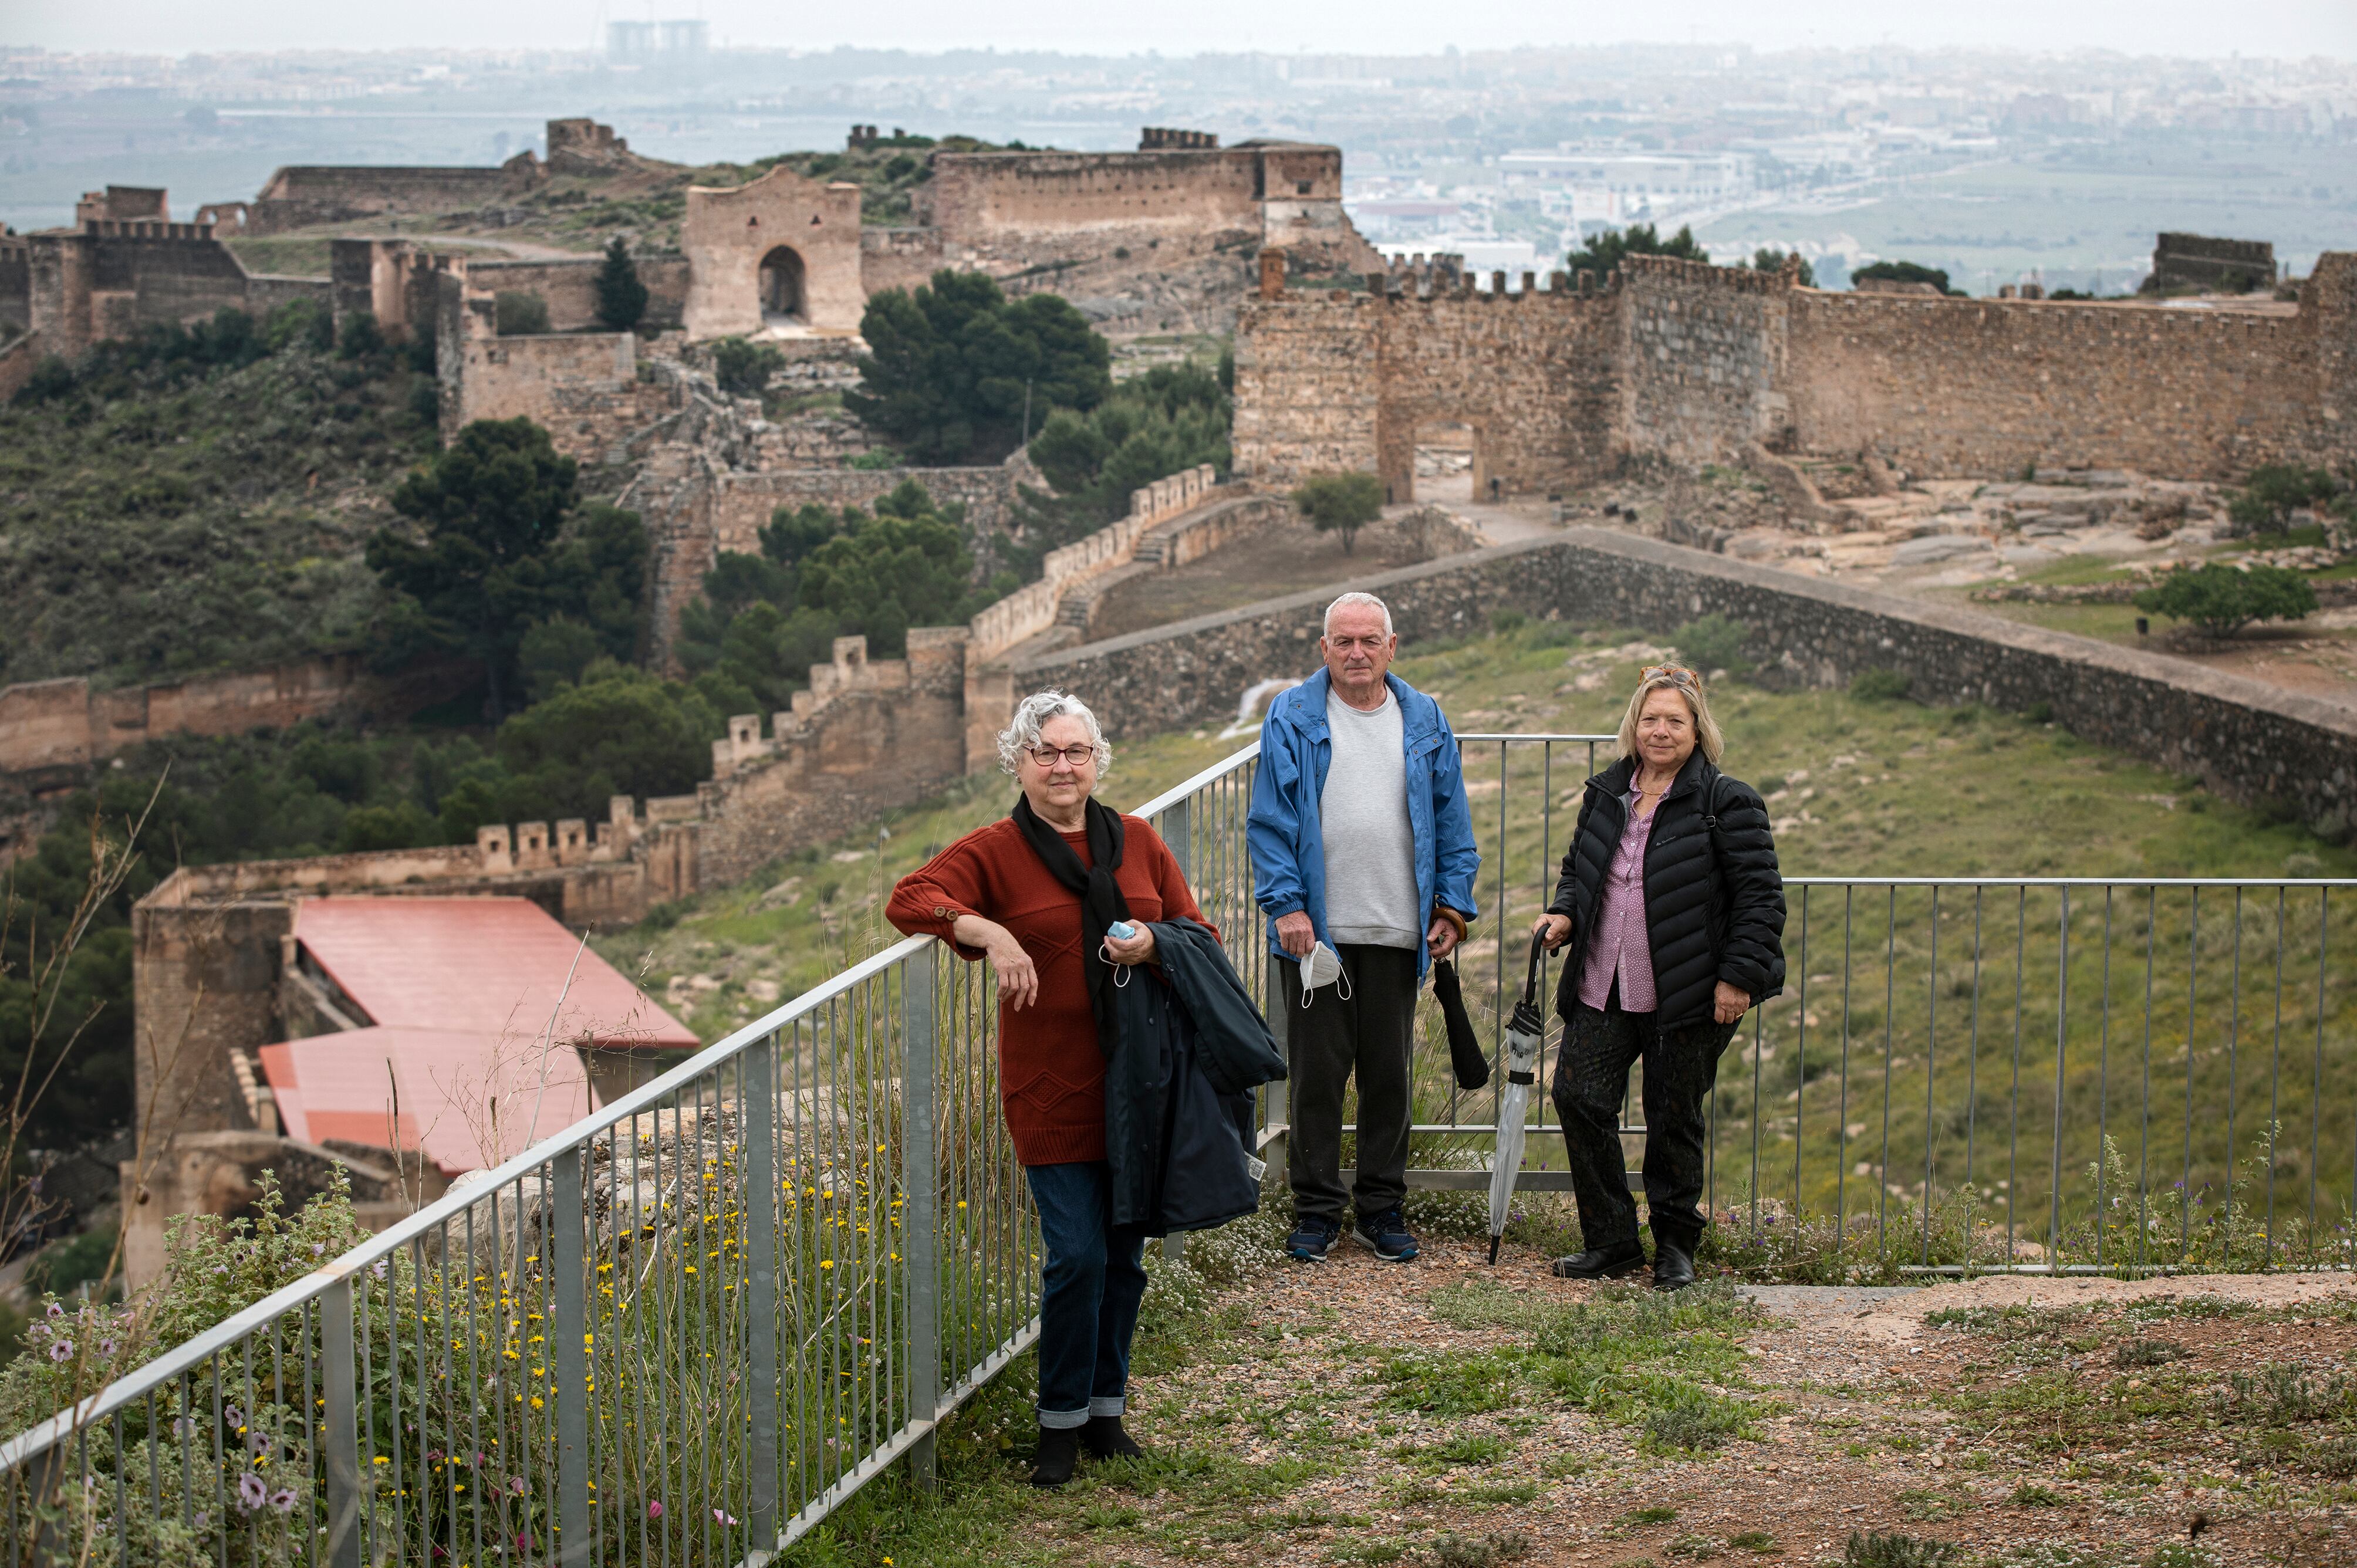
(194, 501)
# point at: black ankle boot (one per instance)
(1105, 1440)
(1059, 1450)
(1673, 1266)
(1601, 1262)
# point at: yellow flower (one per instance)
(535, 1401)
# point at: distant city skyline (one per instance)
(2266, 28)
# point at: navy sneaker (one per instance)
(1310, 1239)
(1386, 1235)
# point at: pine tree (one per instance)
(621, 297)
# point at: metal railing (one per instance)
(680, 1331)
(686, 1328)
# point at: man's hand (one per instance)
(1294, 933)
(1442, 937)
(1556, 929)
(1727, 1003)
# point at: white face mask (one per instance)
(1322, 966)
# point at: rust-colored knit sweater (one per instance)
(1051, 1073)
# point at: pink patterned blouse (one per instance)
(1619, 948)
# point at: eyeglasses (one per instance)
(1045, 755)
(1676, 675)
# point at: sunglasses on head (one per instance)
(1676, 675)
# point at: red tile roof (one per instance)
(493, 966)
(457, 995)
(466, 1103)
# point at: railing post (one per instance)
(920, 1235)
(1178, 819)
(576, 1537)
(760, 1204)
(339, 1379)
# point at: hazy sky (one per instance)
(2212, 27)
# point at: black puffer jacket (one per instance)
(1714, 902)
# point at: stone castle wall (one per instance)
(1973, 388)
(63, 724)
(1699, 364)
(569, 288)
(301, 195)
(982, 196)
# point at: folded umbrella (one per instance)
(1524, 1033)
(1466, 1056)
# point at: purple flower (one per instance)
(250, 1492)
(318, 1249)
(515, 1485)
(654, 1508)
(284, 1501)
(106, 1346)
(62, 1351)
(523, 1540)
(377, 1267)
(56, 1311)
(724, 1517)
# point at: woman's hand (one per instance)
(1727, 1003)
(1018, 978)
(1555, 928)
(1138, 949)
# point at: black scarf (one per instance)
(1101, 900)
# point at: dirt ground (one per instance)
(2060, 1423)
(1281, 559)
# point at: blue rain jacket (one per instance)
(1288, 845)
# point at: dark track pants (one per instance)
(1591, 1078)
(1370, 1033)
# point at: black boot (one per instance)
(1106, 1440)
(1059, 1450)
(1601, 1262)
(1673, 1266)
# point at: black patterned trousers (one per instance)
(1591, 1078)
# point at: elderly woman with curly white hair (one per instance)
(1036, 893)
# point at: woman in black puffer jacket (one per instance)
(1674, 912)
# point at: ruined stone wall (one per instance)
(16, 285)
(64, 724)
(1702, 357)
(1533, 373)
(299, 195)
(167, 280)
(985, 196)
(2243, 740)
(204, 982)
(900, 258)
(1979, 388)
(19, 356)
(1700, 363)
(584, 388)
(570, 288)
(867, 737)
(1309, 387)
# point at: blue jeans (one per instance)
(1090, 1288)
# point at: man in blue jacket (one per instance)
(1362, 849)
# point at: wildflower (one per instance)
(284, 1500)
(250, 1492)
(515, 1485)
(724, 1517)
(654, 1508)
(106, 1346)
(378, 1267)
(61, 1350)
(56, 1311)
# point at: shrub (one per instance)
(1772, 260)
(1712, 642)
(2272, 492)
(745, 369)
(1905, 272)
(1872, 1548)
(1604, 252)
(1340, 503)
(2222, 599)
(1881, 685)
(954, 366)
(519, 315)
